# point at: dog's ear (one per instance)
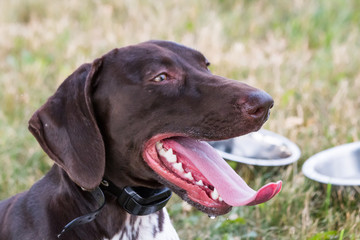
(66, 128)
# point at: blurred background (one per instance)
(304, 53)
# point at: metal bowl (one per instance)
(339, 165)
(262, 148)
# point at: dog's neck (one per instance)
(71, 202)
(112, 219)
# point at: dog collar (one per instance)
(135, 200)
(138, 200)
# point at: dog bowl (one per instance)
(338, 166)
(262, 148)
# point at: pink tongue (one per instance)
(230, 186)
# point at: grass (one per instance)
(304, 53)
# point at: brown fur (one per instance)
(96, 125)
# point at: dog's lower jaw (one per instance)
(211, 211)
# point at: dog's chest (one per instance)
(153, 226)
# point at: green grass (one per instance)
(304, 53)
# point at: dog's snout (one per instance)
(258, 105)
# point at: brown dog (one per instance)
(136, 117)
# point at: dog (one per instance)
(127, 130)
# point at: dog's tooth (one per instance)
(162, 152)
(159, 146)
(189, 176)
(199, 183)
(220, 199)
(170, 157)
(167, 154)
(170, 151)
(178, 166)
(214, 194)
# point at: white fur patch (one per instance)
(154, 226)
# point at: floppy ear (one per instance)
(66, 128)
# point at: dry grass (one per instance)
(304, 53)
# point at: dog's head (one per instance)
(139, 116)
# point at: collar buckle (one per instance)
(138, 200)
(143, 201)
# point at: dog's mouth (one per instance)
(204, 178)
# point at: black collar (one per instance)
(138, 200)
(135, 200)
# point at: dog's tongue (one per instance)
(230, 186)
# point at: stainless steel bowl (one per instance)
(262, 148)
(339, 165)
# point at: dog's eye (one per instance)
(207, 63)
(160, 77)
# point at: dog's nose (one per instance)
(258, 105)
